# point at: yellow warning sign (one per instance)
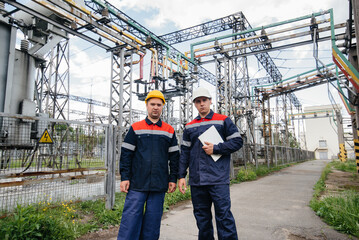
(46, 138)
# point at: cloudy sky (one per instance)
(160, 15)
(91, 65)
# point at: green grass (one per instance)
(319, 187)
(251, 173)
(85, 163)
(68, 220)
(175, 197)
(348, 166)
(341, 210)
(41, 221)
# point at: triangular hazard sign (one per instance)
(46, 138)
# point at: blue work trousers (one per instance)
(202, 199)
(137, 222)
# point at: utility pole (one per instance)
(353, 60)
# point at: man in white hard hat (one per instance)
(209, 179)
(148, 167)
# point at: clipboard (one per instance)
(211, 135)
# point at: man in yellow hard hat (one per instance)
(148, 167)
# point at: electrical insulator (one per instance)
(24, 45)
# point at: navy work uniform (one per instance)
(209, 179)
(149, 160)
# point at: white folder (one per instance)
(211, 135)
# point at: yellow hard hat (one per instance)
(155, 94)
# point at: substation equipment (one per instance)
(44, 58)
(35, 79)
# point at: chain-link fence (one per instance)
(53, 160)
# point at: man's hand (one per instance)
(182, 185)
(124, 185)
(171, 187)
(208, 148)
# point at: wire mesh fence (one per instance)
(44, 159)
(56, 160)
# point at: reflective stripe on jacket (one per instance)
(149, 156)
(203, 170)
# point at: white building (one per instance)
(321, 131)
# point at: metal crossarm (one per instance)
(125, 22)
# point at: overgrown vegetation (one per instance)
(177, 196)
(67, 220)
(250, 172)
(340, 210)
(41, 221)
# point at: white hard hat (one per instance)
(201, 92)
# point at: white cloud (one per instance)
(187, 13)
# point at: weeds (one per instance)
(251, 173)
(67, 220)
(176, 197)
(39, 222)
(340, 211)
(348, 166)
(246, 174)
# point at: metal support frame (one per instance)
(53, 79)
(238, 23)
(286, 133)
(186, 106)
(223, 86)
(110, 177)
(266, 117)
(121, 88)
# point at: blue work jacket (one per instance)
(203, 170)
(149, 156)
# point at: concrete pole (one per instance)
(342, 151)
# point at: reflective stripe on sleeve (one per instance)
(173, 149)
(129, 146)
(234, 135)
(186, 143)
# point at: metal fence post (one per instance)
(110, 177)
(267, 155)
